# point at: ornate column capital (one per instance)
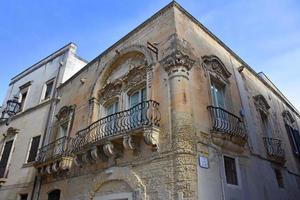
(177, 63)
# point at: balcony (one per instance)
(274, 150)
(122, 130)
(55, 156)
(228, 130)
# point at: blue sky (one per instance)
(264, 33)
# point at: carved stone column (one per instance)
(178, 65)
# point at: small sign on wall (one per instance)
(203, 162)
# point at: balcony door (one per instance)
(137, 108)
(112, 121)
(218, 94)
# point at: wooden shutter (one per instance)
(5, 157)
(34, 148)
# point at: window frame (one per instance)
(29, 148)
(43, 98)
(213, 80)
(10, 154)
(237, 169)
(133, 91)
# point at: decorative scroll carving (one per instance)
(128, 142)
(65, 112)
(109, 150)
(151, 136)
(134, 77)
(94, 153)
(261, 103)
(66, 163)
(78, 160)
(176, 62)
(110, 90)
(215, 65)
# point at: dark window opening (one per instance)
(33, 149)
(230, 170)
(279, 178)
(23, 98)
(23, 196)
(4, 158)
(54, 195)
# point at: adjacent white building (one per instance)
(35, 88)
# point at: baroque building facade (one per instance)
(168, 112)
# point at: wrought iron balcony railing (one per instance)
(226, 122)
(58, 148)
(274, 149)
(142, 115)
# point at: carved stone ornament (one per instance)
(11, 132)
(287, 116)
(177, 61)
(65, 112)
(110, 90)
(261, 103)
(151, 136)
(134, 77)
(215, 65)
(128, 142)
(108, 149)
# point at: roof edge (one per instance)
(42, 62)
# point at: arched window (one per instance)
(54, 195)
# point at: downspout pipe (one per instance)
(37, 186)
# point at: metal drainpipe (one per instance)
(48, 124)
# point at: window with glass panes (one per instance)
(34, 146)
(218, 94)
(48, 90)
(138, 109)
(112, 121)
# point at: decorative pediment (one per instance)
(65, 112)
(134, 77)
(287, 116)
(177, 60)
(215, 65)
(261, 103)
(11, 132)
(110, 90)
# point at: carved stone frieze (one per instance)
(65, 112)
(134, 77)
(261, 103)
(177, 62)
(215, 65)
(288, 118)
(110, 90)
